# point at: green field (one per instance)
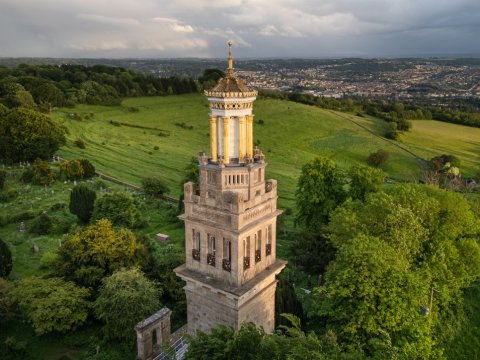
(291, 135)
(429, 138)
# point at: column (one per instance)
(213, 137)
(250, 135)
(226, 141)
(241, 145)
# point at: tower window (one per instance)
(246, 253)
(196, 245)
(258, 246)
(227, 255)
(268, 248)
(211, 250)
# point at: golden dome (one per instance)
(230, 86)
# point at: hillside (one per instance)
(291, 134)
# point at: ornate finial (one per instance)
(230, 59)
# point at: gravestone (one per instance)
(35, 248)
(21, 227)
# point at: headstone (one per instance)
(35, 248)
(21, 227)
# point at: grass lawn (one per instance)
(429, 138)
(292, 134)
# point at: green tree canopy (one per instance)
(319, 191)
(117, 207)
(96, 251)
(82, 199)
(364, 180)
(125, 298)
(52, 304)
(26, 135)
(392, 249)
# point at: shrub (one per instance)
(48, 260)
(42, 224)
(154, 186)
(8, 195)
(88, 169)
(125, 298)
(378, 158)
(5, 259)
(27, 175)
(156, 147)
(52, 304)
(42, 173)
(404, 125)
(392, 135)
(3, 177)
(261, 122)
(82, 200)
(80, 143)
(72, 169)
(118, 208)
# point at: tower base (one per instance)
(211, 302)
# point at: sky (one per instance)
(258, 28)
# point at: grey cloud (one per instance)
(160, 28)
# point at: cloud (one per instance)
(109, 20)
(201, 27)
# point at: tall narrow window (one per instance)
(227, 255)
(246, 253)
(196, 245)
(258, 246)
(268, 248)
(211, 250)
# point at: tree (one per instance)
(48, 93)
(42, 173)
(289, 343)
(154, 186)
(125, 298)
(369, 290)
(82, 199)
(52, 304)
(117, 207)
(312, 252)
(5, 260)
(319, 191)
(26, 135)
(286, 300)
(72, 169)
(88, 169)
(96, 251)
(42, 224)
(378, 158)
(428, 235)
(364, 180)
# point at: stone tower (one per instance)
(230, 220)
